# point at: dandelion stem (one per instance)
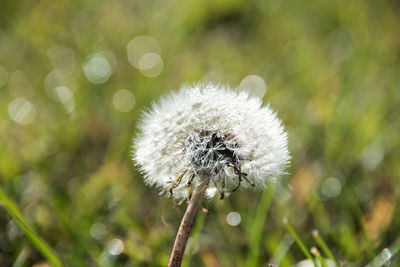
(186, 226)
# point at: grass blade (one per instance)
(324, 247)
(258, 227)
(386, 256)
(16, 215)
(299, 242)
(316, 253)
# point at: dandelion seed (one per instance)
(213, 132)
(207, 139)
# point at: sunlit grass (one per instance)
(256, 231)
(38, 242)
(72, 91)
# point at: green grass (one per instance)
(300, 243)
(321, 243)
(332, 73)
(38, 242)
(257, 227)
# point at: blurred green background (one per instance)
(75, 75)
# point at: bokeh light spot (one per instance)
(21, 111)
(98, 231)
(139, 46)
(372, 156)
(69, 105)
(332, 187)
(123, 100)
(151, 64)
(233, 218)
(115, 246)
(282, 195)
(111, 58)
(63, 93)
(255, 85)
(53, 79)
(97, 68)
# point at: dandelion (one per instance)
(208, 139)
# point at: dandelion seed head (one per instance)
(210, 134)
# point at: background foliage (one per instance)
(331, 70)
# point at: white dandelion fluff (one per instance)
(209, 134)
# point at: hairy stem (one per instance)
(186, 226)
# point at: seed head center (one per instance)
(212, 152)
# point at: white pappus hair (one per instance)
(210, 134)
